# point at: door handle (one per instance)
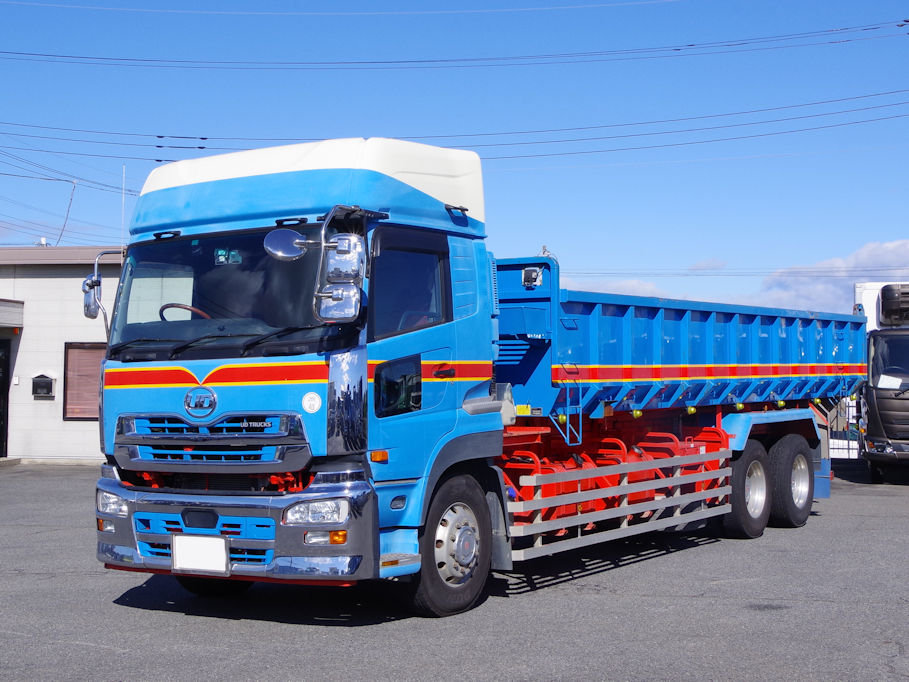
(443, 372)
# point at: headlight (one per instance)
(317, 511)
(108, 503)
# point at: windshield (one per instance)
(890, 361)
(217, 295)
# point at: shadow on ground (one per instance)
(555, 570)
(371, 603)
(856, 471)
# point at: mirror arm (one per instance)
(96, 286)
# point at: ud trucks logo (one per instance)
(200, 402)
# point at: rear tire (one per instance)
(750, 497)
(213, 587)
(792, 476)
(455, 549)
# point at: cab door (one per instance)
(410, 349)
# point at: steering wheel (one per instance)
(181, 306)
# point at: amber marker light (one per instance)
(380, 456)
(337, 537)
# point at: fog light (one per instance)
(325, 537)
(317, 511)
(316, 537)
(108, 503)
(105, 525)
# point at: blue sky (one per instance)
(631, 155)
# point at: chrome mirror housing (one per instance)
(91, 294)
(338, 303)
(345, 259)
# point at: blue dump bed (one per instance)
(580, 353)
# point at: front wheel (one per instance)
(793, 481)
(750, 497)
(455, 549)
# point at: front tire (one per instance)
(750, 497)
(792, 476)
(455, 549)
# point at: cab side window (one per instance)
(410, 285)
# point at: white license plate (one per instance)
(200, 554)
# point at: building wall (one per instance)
(52, 316)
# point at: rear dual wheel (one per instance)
(750, 497)
(792, 474)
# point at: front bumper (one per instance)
(883, 451)
(258, 545)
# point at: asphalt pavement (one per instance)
(829, 601)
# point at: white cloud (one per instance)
(633, 287)
(828, 285)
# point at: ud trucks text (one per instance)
(884, 398)
(317, 373)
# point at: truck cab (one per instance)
(884, 403)
(299, 352)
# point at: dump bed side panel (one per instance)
(583, 350)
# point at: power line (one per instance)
(67, 177)
(495, 144)
(668, 51)
(560, 141)
(97, 156)
(368, 13)
(694, 142)
(38, 209)
(692, 130)
(503, 133)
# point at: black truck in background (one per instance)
(884, 397)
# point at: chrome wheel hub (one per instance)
(755, 489)
(800, 481)
(457, 544)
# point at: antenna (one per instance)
(123, 208)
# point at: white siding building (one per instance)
(50, 353)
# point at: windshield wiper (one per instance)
(176, 350)
(275, 334)
(123, 345)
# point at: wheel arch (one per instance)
(770, 427)
(472, 455)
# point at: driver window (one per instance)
(409, 283)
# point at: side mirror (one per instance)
(91, 295)
(345, 259)
(338, 303)
(285, 244)
(343, 269)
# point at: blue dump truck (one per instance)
(317, 373)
